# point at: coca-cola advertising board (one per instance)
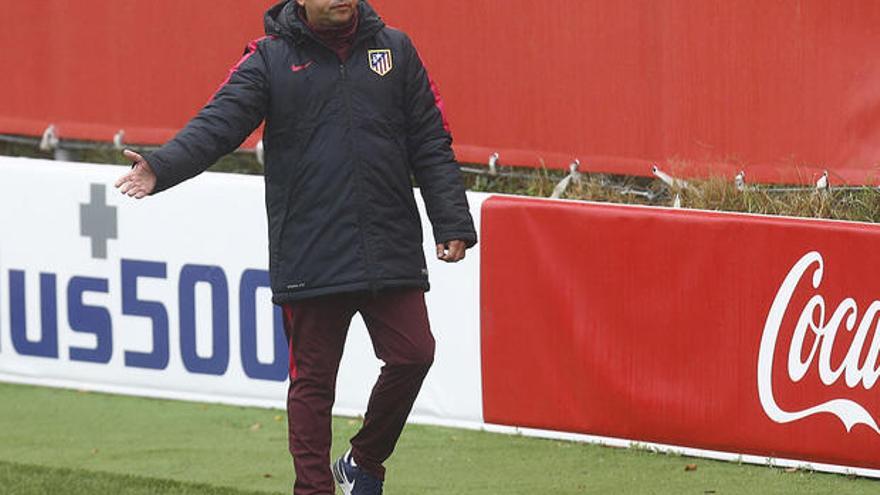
(736, 333)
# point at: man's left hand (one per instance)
(452, 251)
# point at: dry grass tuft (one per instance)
(861, 204)
(719, 194)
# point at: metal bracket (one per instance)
(669, 180)
(740, 181)
(260, 151)
(574, 170)
(49, 141)
(823, 185)
(574, 175)
(493, 163)
(119, 139)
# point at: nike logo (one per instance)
(297, 68)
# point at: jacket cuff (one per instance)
(160, 169)
(469, 238)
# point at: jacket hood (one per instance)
(282, 20)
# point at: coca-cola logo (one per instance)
(824, 333)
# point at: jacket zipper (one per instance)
(362, 224)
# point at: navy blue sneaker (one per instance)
(354, 480)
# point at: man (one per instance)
(350, 115)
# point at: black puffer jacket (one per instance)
(341, 142)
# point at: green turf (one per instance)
(23, 479)
(96, 444)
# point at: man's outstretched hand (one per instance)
(452, 251)
(140, 181)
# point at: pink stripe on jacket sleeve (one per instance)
(438, 102)
(251, 49)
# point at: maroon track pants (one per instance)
(397, 321)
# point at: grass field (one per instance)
(60, 441)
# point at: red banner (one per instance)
(736, 333)
(780, 89)
(93, 67)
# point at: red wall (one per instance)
(763, 86)
(95, 66)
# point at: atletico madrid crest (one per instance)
(380, 61)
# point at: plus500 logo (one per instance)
(96, 320)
